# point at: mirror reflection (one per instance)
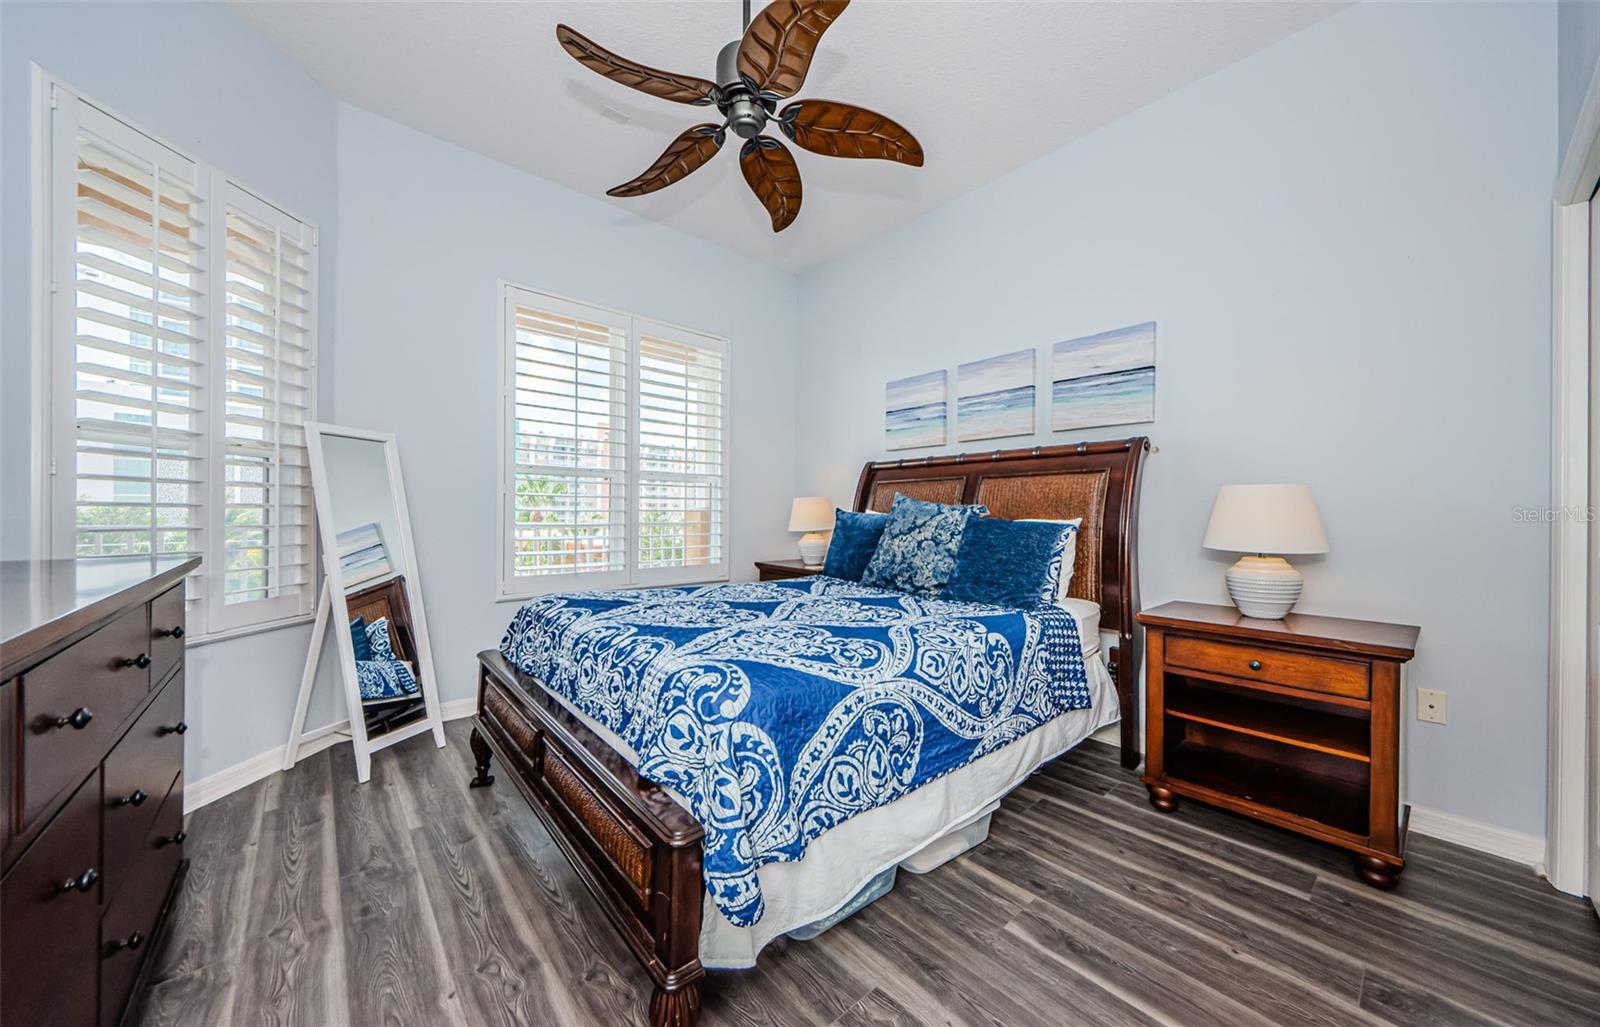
(372, 573)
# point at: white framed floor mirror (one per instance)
(371, 597)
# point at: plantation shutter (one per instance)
(265, 322)
(181, 325)
(566, 501)
(136, 359)
(682, 413)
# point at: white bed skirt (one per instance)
(919, 831)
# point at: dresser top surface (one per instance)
(43, 601)
(1374, 637)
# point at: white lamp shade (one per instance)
(1275, 519)
(811, 513)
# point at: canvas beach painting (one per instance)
(914, 410)
(994, 397)
(1104, 379)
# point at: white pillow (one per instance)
(1069, 557)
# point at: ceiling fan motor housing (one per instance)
(736, 100)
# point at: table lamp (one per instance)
(812, 515)
(1269, 521)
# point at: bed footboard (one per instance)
(636, 849)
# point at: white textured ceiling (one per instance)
(986, 86)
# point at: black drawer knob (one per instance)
(84, 882)
(132, 941)
(176, 632)
(141, 661)
(135, 799)
(1255, 664)
(180, 728)
(78, 718)
(179, 838)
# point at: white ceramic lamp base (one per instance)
(813, 547)
(1264, 586)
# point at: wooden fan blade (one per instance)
(843, 130)
(665, 84)
(770, 170)
(683, 155)
(777, 48)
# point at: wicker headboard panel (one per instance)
(387, 600)
(1097, 481)
(934, 490)
(1058, 496)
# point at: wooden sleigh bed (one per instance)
(639, 852)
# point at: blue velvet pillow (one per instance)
(855, 539)
(358, 638)
(1010, 563)
(918, 549)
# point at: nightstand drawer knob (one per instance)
(1255, 664)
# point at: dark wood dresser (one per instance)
(91, 772)
(1295, 722)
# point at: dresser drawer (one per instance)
(74, 702)
(138, 774)
(131, 918)
(1254, 663)
(48, 944)
(166, 632)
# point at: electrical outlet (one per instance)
(1430, 705)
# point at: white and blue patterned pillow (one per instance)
(384, 679)
(918, 549)
(378, 639)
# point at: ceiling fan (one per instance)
(753, 74)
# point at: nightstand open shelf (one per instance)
(1304, 789)
(1333, 730)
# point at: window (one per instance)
(614, 458)
(264, 381)
(180, 331)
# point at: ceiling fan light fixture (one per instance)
(753, 74)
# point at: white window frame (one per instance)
(55, 394)
(510, 587)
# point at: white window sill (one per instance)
(250, 629)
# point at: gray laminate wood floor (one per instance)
(412, 900)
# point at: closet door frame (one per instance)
(1572, 835)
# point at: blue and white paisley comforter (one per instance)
(780, 709)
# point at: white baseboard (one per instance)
(1475, 834)
(265, 764)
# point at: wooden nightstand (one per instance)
(1294, 722)
(777, 570)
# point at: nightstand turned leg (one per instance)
(1163, 799)
(1378, 873)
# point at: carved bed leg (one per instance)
(1163, 799)
(677, 1008)
(480, 756)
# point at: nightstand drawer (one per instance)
(1253, 663)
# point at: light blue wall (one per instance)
(1345, 241)
(185, 73)
(427, 230)
(1577, 50)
